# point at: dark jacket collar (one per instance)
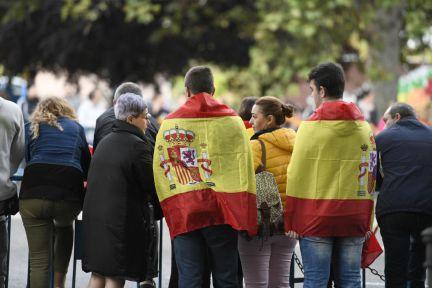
(257, 134)
(409, 120)
(123, 126)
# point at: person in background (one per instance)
(90, 110)
(158, 111)
(28, 104)
(105, 122)
(266, 263)
(245, 112)
(52, 189)
(11, 154)
(330, 181)
(118, 217)
(404, 205)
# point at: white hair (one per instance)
(127, 87)
(129, 104)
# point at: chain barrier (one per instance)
(376, 273)
(298, 262)
(372, 270)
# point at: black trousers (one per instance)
(404, 249)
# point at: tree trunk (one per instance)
(385, 53)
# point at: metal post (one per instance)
(363, 277)
(28, 272)
(8, 223)
(52, 257)
(77, 253)
(160, 252)
(292, 272)
(74, 271)
(427, 239)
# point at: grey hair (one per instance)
(127, 87)
(403, 109)
(129, 104)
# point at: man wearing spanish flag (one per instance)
(331, 178)
(204, 178)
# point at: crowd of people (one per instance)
(238, 190)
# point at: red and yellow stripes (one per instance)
(203, 208)
(331, 175)
(203, 168)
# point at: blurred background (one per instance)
(82, 49)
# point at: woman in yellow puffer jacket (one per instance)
(267, 264)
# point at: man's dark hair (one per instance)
(245, 110)
(403, 109)
(199, 79)
(127, 87)
(330, 76)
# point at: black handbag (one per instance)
(9, 206)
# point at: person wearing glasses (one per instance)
(104, 126)
(118, 217)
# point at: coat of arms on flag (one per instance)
(183, 158)
(367, 168)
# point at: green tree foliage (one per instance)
(294, 35)
(127, 39)
(260, 45)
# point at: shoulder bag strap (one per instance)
(263, 155)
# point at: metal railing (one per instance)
(427, 239)
(296, 261)
(427, 234)
(76, 248)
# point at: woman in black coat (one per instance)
(117, 210)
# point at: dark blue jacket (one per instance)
(53, 146)
(405, 151)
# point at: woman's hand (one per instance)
(292, 234)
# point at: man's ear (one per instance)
(322, 92)
(397, 116)
(188, 92)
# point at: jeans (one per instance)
(174, 277)
(191, 249)
(317, 257)
(404, 249)
(42, 218)
(3, 250)
(266, 264)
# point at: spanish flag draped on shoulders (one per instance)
(331, 176)
(203, 168)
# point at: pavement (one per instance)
(19, 260)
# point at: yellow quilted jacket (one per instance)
(279, 146)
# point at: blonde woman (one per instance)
(52, 190)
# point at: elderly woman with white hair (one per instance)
(117, 210)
